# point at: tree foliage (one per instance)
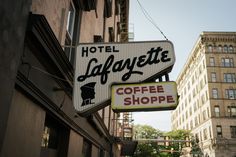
(196, 150)
(178, 134)
(149, 149)
(146, 132)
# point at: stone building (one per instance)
(207, 89)
(38, 46)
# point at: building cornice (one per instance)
(203, 39)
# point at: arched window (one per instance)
(219, 48)
(210, 48)
(225, 48)
(231, 49)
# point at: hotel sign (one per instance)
(98, 66)
(144, 96)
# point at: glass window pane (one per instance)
(214, 93)
(225, 48)
(70, 20)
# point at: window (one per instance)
(227, 62)
(90, 5)
(190, 111)
(50, 134)
(204, 115)
(108, 8)
(189, 98)
(201, 84)
(54, 138)
(203, 65)
(196, 122)
(70, 20)
(195, 107)
(200, 69)
(194, 93)
(225, 48)
(111, 34)
(210, 132)
(191, 125)
(219, 48)
(230, 93)
(219, 131)
(229, 77)
(210, 48)
(231, 49)
(188, 85)
(205, 134)
(212, 61)
(206, 95)
(213, 77)
(193, 80)
(97, 38)
(45, 139)
(217, 111)
(200, 135)
(232, 111)
(72, 27)
(101, 153)
(205, 79)
(117, 7)
(215, 93)
(203, 99)
(233, 131)
(199, 119)
(87, 148)
(208, 112)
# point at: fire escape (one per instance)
(124, 12)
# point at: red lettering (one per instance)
(119, 91)
(135, 100)
(161, 98)
(144, 100)
(136, 90)
(170, 99)
(160, 89)
(128, 90)
(153, 99)
(152, 89)
(144, 89)
(127, 101)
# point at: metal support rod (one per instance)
(167, 77)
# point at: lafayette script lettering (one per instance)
(94, 68)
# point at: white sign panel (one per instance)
(144, 97)
(98, 66)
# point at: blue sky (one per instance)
(182, 21)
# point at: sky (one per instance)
(181, 21)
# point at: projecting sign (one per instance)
(144, 96)
(98, 66)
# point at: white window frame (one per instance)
(70, 20)
(215, 93)
(213, 77)
(217, 111)
(229, 77)
(212, 61)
